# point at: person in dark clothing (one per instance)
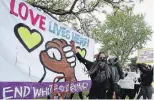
(117, 74)
(146, 80)
(100, 75)
(131, 93)
(127, 92)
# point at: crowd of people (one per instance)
(105, 74)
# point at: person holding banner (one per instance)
(146, 80)
(127, 86)
(100, 75)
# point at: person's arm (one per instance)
(112, 87)
(87, 63)
(111, 79)
(117, 76)
(151, 76)
(121, 73)
(142, 68)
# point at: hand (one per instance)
(114, 95)
(59, 57)
(122, 77)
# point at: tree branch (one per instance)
(50, 15)
(72, 7)
(57, 12)
(88, 10)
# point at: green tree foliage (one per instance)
(123, 33)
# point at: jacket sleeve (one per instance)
(117, 76)
(112, 83)
(121, 73)
(112, 86)
(144, 70)
(87, 63)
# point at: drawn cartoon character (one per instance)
(58, 57)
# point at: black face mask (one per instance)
(102, 65)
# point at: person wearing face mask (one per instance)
(100, 75)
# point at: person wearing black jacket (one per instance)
(100, 75)
(146, 80)
(117, 74)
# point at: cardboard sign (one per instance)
(129, 81)
(126, 84)
(146, 55)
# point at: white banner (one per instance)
(35, 47)
(129, 81)
(126, 84)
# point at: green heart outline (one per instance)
(31, 32)
(82, 50)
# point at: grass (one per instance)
(76, 96)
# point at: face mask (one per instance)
(101, 65)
